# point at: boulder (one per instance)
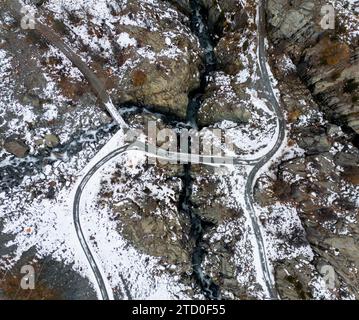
(314, 140)
(295, 24)
(16, 147)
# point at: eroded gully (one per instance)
(198, 226)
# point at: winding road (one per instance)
(249, 194)
(106, 292)
(258, 164)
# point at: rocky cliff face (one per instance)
(327, 59)
(327, 63)
(318, 176)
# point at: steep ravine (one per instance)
(198, 226)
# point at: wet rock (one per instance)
(16, 147)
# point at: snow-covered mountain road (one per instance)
(257, 169)
(258, 163)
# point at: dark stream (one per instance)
(200, 28)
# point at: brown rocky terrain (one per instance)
(182, 64)
(327, 59)
(318, 184)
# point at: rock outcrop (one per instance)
(327, 61)
(226, 97)
(156, 64)
(319, 178)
